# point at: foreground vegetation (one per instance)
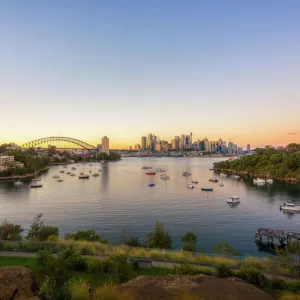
(280, 163)
(71, 276)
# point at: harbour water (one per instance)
(119, 203)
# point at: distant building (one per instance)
(143, 143)
(105, 144)
(229, 148)
(166, 147)
(149, 142)
(6, 160)
(234, 149)
(248, 147)
(137, 147)
(130, 148)
(175, 143)
(99, 148)
(240, 150)
(157, 147)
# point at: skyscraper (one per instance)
(144, 142)
(105, 144)
(149, 141)
(248, 147)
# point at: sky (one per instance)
(85, 69)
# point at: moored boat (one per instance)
(259, 180)
(146, 168)
(59, 180)
(236, 177)
(213, 180)
(18, 183)
(233, 200)
(164, 176)
(150, 173)
(223, 175)
(221, 184)
(207, 189)
(84, 176)
(290, 207)
(55, 176)
(159, 170)
(36, 185)
(151, 184)
(195, 181)
(190, 186)
(73, 168)
(62, 171)
(186, 174)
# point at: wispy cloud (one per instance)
(293, 133)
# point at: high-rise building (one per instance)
(229, 149)
(158, 147)
(248, 147)
(143, 143)
(175, 143)
(149, 141)
(137, 147)
(105, 144)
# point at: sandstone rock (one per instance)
(17, 283)
(199, 287)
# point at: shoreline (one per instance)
(26, 176)
(289, 180)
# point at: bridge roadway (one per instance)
(155, 263)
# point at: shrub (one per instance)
(87, 250)
(95, 266)
(290, 296)
(159, 238)
(121, 268)
(189, 270)
(132, 242)
(278, 284)
(52, 238)
(79, 291)
(47, 231)
(84, 235)
(72, 260)
(189, 241)
(109, 292)
(252, 276)
(10, 231)
(224, 270)
(223, 248)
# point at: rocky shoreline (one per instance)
(27, 176)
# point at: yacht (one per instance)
(146, 168)
(236, 177)
(259, 180)
(195, 181)
(73, 168)
(151, 184)
(55, 176)
(186, 174)
(223, 175)
(164, 176)
(62, 171)
(213, 180)
(36, 185)
(269, 180)
(68, 173)
(18, 183)
(96, 174)
(160, 170)
(233, 200)
(207, 189)
(84, 176)
(72, 174)
(59, 180)
(290, 207)
(221, 184)
(190, 186)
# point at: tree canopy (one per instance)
(277, 163)
(159, 238)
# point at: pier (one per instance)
(284, 237)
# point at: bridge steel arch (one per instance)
(35, 143)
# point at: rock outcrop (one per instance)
(197, 286)
(17, 283)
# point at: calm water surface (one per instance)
(119, 203)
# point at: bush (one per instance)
(223, 270)
(95, 266)
(79, 291)
(278, 284)
(109, 292)
(47, 231)
(10, 231)
(87, 250)
(52, 238)
(72, 260)
(290, 296)
(121, 268)
(85, 235)
(132, 242)
(189, 241)
(159, 238)
(188, 270)
(252, 276)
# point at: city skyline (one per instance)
(123, 69)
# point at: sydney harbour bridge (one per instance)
(59, 142)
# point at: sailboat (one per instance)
(95, 174)
(35, 183)
(269, 180)
(82, 175)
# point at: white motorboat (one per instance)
(290, 207)
(195, 181)
(223, 175)
(236, 177)
(269, 180)
(259, 180)
(18, 183)
(233, 200)
(160, 170)
(55, 176)
(164, 176)
(190, 186)
(146, 168)
(186, 174)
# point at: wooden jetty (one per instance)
(284, 237)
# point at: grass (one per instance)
(18, 261)
(98, 249)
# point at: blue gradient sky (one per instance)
(85, 69)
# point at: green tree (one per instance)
(189, 241)
(39, 231)
(223, 248)
(132, 242)
(10, 231)
(84, 235)
(158, 238)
